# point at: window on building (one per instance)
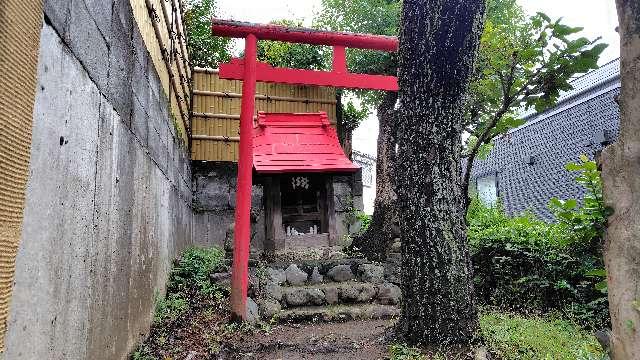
(487, 188)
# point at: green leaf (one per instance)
(544, 16)
(602, 286)
(596, 273)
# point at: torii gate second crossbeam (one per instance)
(249, 70)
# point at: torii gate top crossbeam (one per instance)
(238, 29)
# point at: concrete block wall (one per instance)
(108, 201)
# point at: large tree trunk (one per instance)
(438, 46)
(621, 180)
(383, 228)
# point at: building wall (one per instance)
(368, 165)
(108, 200)
(529, 161)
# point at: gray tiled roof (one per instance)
(580, 123)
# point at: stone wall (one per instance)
(214, 186)
(214, 203)
(108, 201)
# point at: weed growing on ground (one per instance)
(518, 337)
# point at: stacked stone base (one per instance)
(323, 290)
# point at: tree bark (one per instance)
(345, 135)
(438, 46)
(621, 188)
(383, 227)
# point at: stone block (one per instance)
(295, 276)
(88, 45)
(316, 278)
(349, 292)
(273, 291)
(371, 273)
(340, 273)
(389, 294)
(296, 296)
(331, 295)
(268, 308)
(278, 276)
(366, 292)
(253, 314)
(316, 296)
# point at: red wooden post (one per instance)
(241, 243)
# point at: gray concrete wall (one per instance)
(108, 202)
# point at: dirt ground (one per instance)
(344, 341)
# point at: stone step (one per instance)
(332, 293)
(338, 313)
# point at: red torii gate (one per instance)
(249, 70)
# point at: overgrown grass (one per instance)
(193, 315)
(515, 337)
(518, 337)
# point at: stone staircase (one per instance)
(323, 290)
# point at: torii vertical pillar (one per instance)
(241, 241)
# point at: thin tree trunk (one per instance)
(438, 46)
(621, 181)
(383, 228)
(345, 135)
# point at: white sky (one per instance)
(598, 17)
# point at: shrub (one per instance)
(193, 270)
(522, 263)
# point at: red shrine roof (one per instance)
(297, 142)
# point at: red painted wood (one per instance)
(238, 29)
(240, 267)
(288, 142)
(339, 60)
(266, 73)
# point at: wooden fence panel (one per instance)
(160, 23)
(216, 110)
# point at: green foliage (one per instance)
(365, 221)
(522, 63)
(169, 308)
(192, 270)
(381, 17)
(142, 353)
(588, 221)
(525, 264)
(205, 50)
(518, 337)
(299, 56)
(352, 116)
(404, 352)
